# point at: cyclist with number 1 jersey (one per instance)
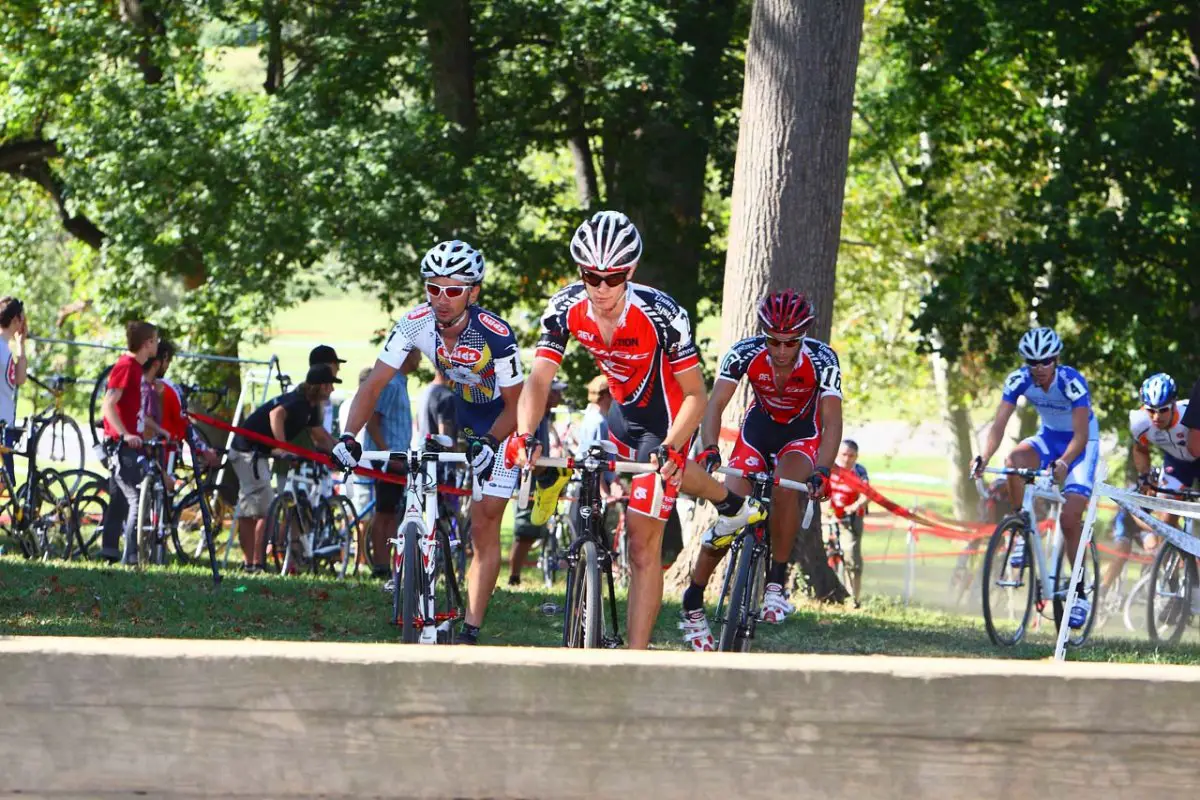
(795, 421)
(1068, 440)
(642, 341)
(476, 352)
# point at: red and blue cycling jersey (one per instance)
(651, 344)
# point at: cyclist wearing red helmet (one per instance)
(642, 342)
(795, 420)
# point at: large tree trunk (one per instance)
(788, 186)
(957, 419)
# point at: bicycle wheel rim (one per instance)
(1168, 604)
(1007, 591)
(1090, 577)
(734, 628)
(412, 584)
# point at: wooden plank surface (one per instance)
(101, 717)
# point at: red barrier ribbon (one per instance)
(932, 524)
(312, 455)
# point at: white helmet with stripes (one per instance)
(608, 242)
(453, 259)
(1039, 344)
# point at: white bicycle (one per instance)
(1016, 557)
(426, 598)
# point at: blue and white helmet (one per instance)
(453, 259)
(1039, 344)
(1159, 390)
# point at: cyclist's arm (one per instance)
(411, 362)
(996, 432)
(1141, 458)
(375, 431)
(831, 430)
(20, 362)
(710, 429)
(322, 439)
(153, 428)
(277, 416)
(506, 423)
(532, 403)
(367, 396)
(108, 410)
(691, 410)
(1079, 434)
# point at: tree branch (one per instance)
(16, 154)
(512, 42)
(891, 159)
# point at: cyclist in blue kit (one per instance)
(476, 352)
(1068, 440)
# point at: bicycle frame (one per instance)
(420, 517)
(1042, 487)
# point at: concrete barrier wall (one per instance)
(107, 717)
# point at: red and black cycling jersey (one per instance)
(815, 374)
(651, 344)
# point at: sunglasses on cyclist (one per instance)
(788, 343)
(596, 278)
(1044, 362)
(450, 291)
(1161, 410)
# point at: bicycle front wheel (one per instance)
(1134, 611)
(741, 608)
(1169, 600)
(1008, 582)
(151, 548)
(411, 586)
(60, 445)
(584, 615)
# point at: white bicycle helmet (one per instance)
(608, 242)
(1039, 344)
(453, 259)
(1159, 390)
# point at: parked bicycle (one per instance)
(427, 600)
(308, 526)
(39, 514)
(583, 614)
(59, 439)
(1017, 555)
(745, 580)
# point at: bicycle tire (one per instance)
(56, 528)
(737, 627)
(584, 615)
(351, 536)
(60, 444)
(151, 521)
(1061, 584)
(1174, 606)
(1133, 609)
(94, 418)
(275, 536)
(548, 558)
(1001, 544)
(413, 584)
(90, 506)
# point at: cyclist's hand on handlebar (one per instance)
(977, 465)
(481, 452)
(670, 462)
(521, 450)
(710, 458)
(1060, 469)
(346, 452)
(818, 484)
(132, 439)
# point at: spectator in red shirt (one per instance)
(123, 427)
(174, 424)
(850, 506)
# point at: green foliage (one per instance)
(1089, 111)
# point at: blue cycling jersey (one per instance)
(1068, 391)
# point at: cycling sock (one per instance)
(730, 505)
(693, 597)
(468, 634)
(777, 573)
(514, 580)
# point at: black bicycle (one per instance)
(1174, 580)
(38, 515)
(583, 616)
(59, 440)
(745, 581)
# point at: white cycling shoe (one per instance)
(694, 625)
(776, 608)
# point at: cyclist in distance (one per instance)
(642, 342)
(1068, 440)
(476, 352)
(794, 421)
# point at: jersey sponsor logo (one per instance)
(751, 461)
(639, 493)
(626, 341)
(494, 325)
(464, 355)
(10, 374)
(420, 312)
(585, 336)
(764, 376)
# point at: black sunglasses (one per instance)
(1161, 410)
(596, 278)
(1044, 362)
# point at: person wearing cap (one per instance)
(281, 418)
(389, 428)
(324, 355)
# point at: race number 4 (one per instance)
(1075, 389)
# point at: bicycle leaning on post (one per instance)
(583, 615)
(39, 514)
(426, 598)
(1016, 557)
(745, 580)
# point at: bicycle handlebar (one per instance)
(388, 455)
(1027, 474)
(605, 465)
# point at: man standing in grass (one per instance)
(13, 364)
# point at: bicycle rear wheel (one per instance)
(584, 615)
(1008, 589)
(151, 522)
(50, 529)
(1169, 600)
(744, 601)
(60, 445)
(1134, 610)
(1090, 579)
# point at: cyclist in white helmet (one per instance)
(1068, 440)
(476, 352)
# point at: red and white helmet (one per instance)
(785, 312)
(608, 242)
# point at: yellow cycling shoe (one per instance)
(547, 486)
